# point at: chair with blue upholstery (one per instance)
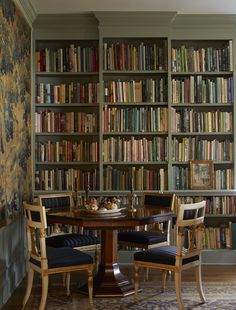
(47, 260)
(187, 253)
(58, 238)
(151, 236)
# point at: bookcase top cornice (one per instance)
(135, 18)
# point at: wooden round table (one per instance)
(109, 281)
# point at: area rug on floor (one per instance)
(218, 296)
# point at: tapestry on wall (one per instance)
(15, 184)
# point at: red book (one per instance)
(42, 61)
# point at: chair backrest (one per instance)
(162, 201)
(36, 225)
(190, 218)
(56, 202)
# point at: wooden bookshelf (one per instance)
(162, 94)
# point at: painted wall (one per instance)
(15, 144)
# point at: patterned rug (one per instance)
(220, 296)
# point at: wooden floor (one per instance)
(214, 274)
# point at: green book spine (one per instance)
(233, 231)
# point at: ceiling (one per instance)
(180, 6)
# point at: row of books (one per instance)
(196, 89)
(143, 178)
(217, 237)
(202, 59)
(189, 120)
(139, 56)
(67, 59)
(148, 90)
(141, 119)
(46, 121)
(66, 151)
(66, 179)
(215, 205)
(192, 148)
(223, 179)
(67, 93)
(128, 150)
(221, 237)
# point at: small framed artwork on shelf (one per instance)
(201, 174)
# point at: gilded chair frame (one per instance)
(92, 247)
(160, 208)
(38, 254)
(195, 231)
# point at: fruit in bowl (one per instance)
(91, 204)
(109, 204)
(105, 204)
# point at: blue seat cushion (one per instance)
(162, 255)
(71, 240)
(64, 257)
(142, 237)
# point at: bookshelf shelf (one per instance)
(135, 133)
(136, 163)
(207, 105)
(69, 134)
(136, 104)
(66, 74)
(66, 105)
(203, 73)
(133, 72)
(208, 134)
(59, 163)
(215, 162)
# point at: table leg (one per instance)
(109, 280)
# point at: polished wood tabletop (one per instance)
(109, 281)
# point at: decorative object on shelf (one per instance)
(87, 188)
(133, 196)
(201, 174)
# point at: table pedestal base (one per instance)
(111, 283)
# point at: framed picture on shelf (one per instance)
(201, 174)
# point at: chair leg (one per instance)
(136, 281)
(164, 276)
(64, 279)
(68, 283)
(96, 258)
(146, 274)
(90, 286)
(178, 290)
(198, 274)
(44, 292)
(30, 279)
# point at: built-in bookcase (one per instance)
(202, 109)
(130, 110)
(135, 114)
(202, 128)
(66, 120)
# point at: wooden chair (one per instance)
(185, 255)
(47, 260)
(80, 241)
(153, 236)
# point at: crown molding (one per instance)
(27, 9)
(135, 18)
(66, 26)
